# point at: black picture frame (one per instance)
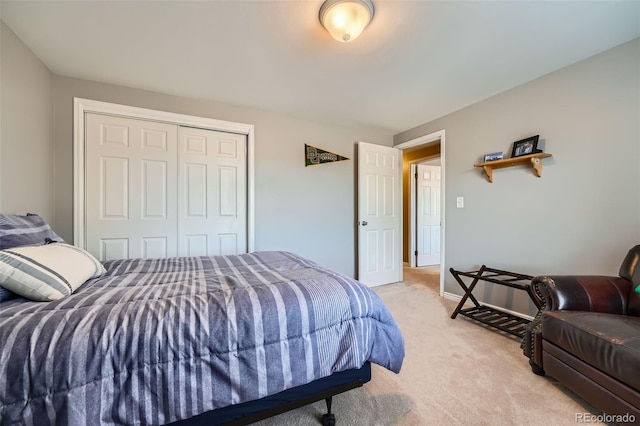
(525, 146)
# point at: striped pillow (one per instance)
(16, 231)
(48, 272)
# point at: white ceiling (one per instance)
(417, 60)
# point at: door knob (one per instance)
(364, 223)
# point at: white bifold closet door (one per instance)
(212, 210)
(160, 190)
(131, 188)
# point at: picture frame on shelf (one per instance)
(493, 156)
(525, 147)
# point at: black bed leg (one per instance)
(328, 419)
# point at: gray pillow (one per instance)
(6, 294)
(29, 230)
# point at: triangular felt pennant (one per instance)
(313, 156)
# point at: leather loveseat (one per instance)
(587, 336)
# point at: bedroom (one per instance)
(593, 172)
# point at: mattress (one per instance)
(155, 341)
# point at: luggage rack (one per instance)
(492, 317)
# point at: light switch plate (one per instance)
(460, 202)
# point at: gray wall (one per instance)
(309, 211)
(583, 214)
(26, 122)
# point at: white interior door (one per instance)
(379, 214)
(212, 206)
(428, 215)
(130, 188)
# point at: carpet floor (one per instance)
(455, 372)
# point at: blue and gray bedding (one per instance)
(158, 340)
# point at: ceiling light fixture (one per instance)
(346, 19)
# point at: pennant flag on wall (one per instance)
(313, 156)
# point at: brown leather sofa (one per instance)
(587, 336)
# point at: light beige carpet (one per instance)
(455, 372)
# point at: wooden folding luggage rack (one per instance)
(501, 320)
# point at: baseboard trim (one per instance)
(457, 298)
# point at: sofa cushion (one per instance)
(610, 343)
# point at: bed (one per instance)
(192, 340)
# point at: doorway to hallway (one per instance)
(428, 147)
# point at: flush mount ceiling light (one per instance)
(346, 19)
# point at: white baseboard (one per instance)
(457, 298)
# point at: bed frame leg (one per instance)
(328, 419)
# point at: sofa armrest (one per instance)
(582, 293)
(532, 344)
(572, 293)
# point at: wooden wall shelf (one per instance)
(533, 159)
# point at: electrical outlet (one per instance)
(460, 202)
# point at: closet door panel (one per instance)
(112, 248)
(154, 189)
(114, 188)
(195, 191)
(195, 245)
(212, 193)
(131, 187)
(227, 192)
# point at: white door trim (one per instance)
(413, 169)
(422, 140)
(80, 106)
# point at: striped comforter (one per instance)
(158, 340)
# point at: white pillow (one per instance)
(48, 272)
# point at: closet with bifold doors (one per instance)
(155, 189)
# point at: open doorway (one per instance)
(416, 151)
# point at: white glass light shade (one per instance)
(346, 19)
